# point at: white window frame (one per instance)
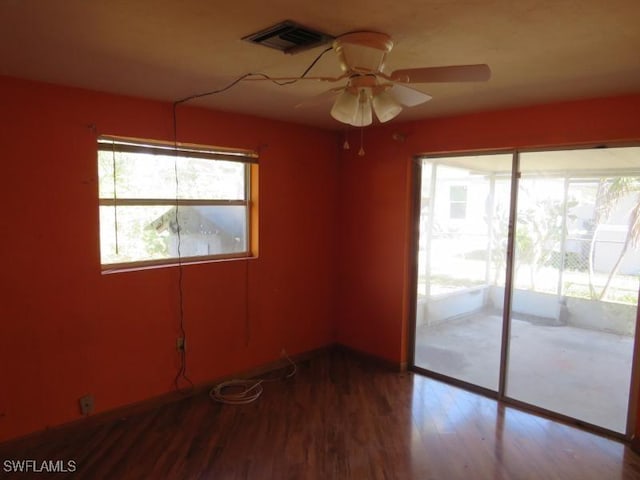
(458, 203)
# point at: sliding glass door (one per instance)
(461, 266)
(569, 271)
(575, 295)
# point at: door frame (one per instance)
(500, 395)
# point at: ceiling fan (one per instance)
(369, 90)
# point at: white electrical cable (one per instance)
(251, 390)
(246, 391)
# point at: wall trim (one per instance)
(372, 358)
(158, 401)
(128, 410)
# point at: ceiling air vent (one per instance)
(289, 37)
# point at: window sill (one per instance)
(110, 269)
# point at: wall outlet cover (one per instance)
(86, 404)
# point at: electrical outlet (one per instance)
(86, 404)
(181, 344)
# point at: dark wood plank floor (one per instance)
(340, 418)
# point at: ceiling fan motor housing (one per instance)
(362, 52)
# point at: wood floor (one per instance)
(341, 417)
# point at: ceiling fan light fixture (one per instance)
(369, 88)
(345, 107)
(385, 106)
(364, 115)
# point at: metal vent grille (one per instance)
(289, 37)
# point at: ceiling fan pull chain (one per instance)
(361, 151)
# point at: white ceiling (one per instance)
(539, 50)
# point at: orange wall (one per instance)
(67, 330)
(334, 236)
(376, 197)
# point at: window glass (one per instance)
(163, 205)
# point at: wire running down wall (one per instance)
(72, 331)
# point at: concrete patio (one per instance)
(577, 372)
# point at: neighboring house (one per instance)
(204, 230)
(462, 206)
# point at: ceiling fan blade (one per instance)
(324, 97)
(408, 97)
(454, 73)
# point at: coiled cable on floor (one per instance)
(251, 390)
(242, 392)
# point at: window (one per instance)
(159, 203)
(458, 201)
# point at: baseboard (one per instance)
(372, 358)
(142, 406)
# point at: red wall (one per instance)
(334, 235)
(67, 330)
(376, 198)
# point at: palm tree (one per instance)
(610, 192)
